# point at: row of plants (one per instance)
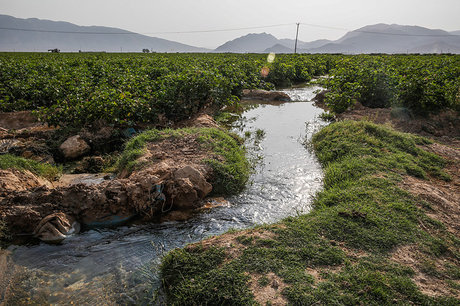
(75, 89)
(123, 89)
(424, 84)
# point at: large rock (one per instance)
(56, 227)
(74, 147)
(190, 186)
(265, 95)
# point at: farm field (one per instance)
(154, 133)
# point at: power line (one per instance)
(225, 30)
(150, 33)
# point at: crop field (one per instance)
(74, 89)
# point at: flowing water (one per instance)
(111, 266)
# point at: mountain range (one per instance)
(379, 38)
(42, 35)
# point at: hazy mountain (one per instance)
(263, 42)
(115, 41)
(279, 48)
(379, 38)
(384, 38)
(301, 45)
(254, 43)
(436, 47)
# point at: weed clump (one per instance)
(50, 172)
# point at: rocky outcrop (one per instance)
(74, 147)
(321, 97)
(265, 95)
(175, 179)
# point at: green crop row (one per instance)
(75, 89)
(123, 89)
(424, 84)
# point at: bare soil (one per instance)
(429, 284)
(271, 293)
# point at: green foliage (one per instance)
(421, 83)
(231, 174)
(122, 89)
(205, 284)
(8, 161)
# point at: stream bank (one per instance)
(382, 231)
(117, 265)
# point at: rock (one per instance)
(265, 95)
(74, 147)
(190, 186)
(56, 227)
(199, 182)
(177, 215)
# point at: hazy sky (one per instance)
(147, 16)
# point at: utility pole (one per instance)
(296, 36)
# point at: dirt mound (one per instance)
(16, 180)
(265, 95)
(18, 120)
(200, 120)
(443, 197)
(440, 201)
(173, 177)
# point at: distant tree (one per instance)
(54, 50)
(146, 50)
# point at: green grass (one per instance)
(8, 161)
(227, 155)
(361, 210)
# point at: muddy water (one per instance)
(114, 266)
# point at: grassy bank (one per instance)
(226, 154)
(343, 251)
(8, 161)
